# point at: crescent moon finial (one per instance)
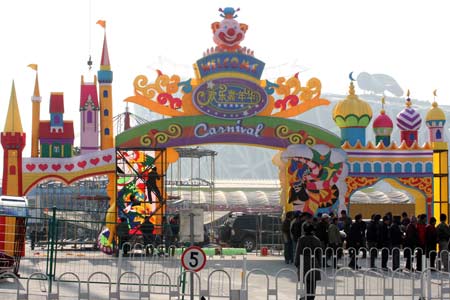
(434, 92)
(350, 76)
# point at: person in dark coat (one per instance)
(33, 237)
(334, 239)
(296, 227)
(443, 236)
(287, 237)
(322, 234)
(411, 241)
(431, 240)
(421, 231)
(123, 235)
(372, 238)
(152, 186)
(396, 235)
(307, 245)
(167, 234)
(355, 241)
(405, 221)
(385, 241)
(147, 228)
(345, 221)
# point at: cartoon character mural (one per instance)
(228, 33)
(314, 178)
(132, 201)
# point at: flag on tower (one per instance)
(33, 66)
(102, 23)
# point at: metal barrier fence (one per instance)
(343, 283)
(160, 276)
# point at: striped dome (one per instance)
(409, 118)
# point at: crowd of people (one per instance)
(386, 234)
(320, 241)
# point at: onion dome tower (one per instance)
(408, 121)
(435, 121)
(352, 115)
(382, 126)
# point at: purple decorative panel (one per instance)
(230, 98)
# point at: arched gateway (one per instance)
(227, 102)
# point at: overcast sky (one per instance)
(408, 40)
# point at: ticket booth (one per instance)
(13, 219)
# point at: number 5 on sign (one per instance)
(193, 259)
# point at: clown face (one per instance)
(228, 34)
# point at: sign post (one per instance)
(193, 259)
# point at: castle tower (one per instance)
(435, 121)
(352, 115)
(105, 78)
(382, 126)
(56, 112)
(56, 135)
(13, 141)
(89, 120)
(36, 117)
(408, 121)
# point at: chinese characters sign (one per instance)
(230, 98)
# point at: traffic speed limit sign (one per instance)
(193, 259)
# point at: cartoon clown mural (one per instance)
(313, 178)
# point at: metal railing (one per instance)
(138, 276)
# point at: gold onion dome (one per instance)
(352, 111)
(435, 114)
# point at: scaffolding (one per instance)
(197, 181)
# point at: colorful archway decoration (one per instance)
(227, 102)
(269, 132)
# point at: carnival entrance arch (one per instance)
(228, 102)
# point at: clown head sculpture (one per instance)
(229, 33)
